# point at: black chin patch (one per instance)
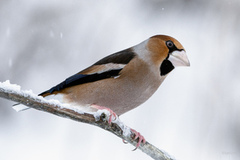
(166, 67)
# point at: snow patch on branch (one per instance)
(14, 88)
(10, 87)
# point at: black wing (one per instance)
(81, 79)
(122, 57)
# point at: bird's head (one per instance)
(167, 53)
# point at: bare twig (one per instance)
(13, 92)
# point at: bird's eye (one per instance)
(169, 44)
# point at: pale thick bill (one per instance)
(179, 58)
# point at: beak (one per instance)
(179, 58)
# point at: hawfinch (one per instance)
(122, 81)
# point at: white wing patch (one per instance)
(111, 66)
(102, 68)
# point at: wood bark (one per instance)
(35, 102)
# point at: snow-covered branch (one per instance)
(100, 118)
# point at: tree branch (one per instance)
(99, 118)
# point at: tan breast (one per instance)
(119, 94)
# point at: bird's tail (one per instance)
(19, 107)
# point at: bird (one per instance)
(124, 80)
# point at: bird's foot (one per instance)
(112, 114)
(138, 136)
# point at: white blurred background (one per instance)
(194, 115)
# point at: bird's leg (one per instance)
(138, 136)
(112, 114)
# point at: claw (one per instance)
(137, 135)
(140, 138)
(112, 114)
(125, 142)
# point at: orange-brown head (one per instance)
(166, 52)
